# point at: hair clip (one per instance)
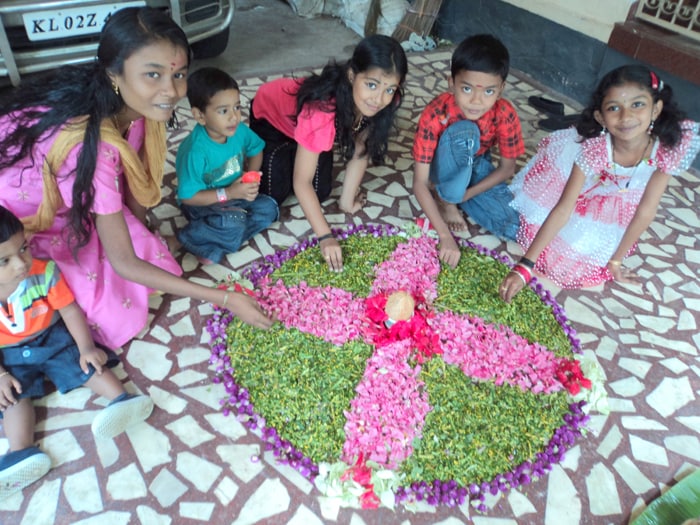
(656, 83)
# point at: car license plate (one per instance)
(77, 21)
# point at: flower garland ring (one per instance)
(383, 385)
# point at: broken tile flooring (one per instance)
(190, 464)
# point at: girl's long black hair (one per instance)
(333, 83)
(44, 104)
(667, 126)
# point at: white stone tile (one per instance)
(304, 516)
(75, 399)
(646, 451)
(200, 472)
(150, 359)
(356, 520)
(62, 447)
(642, 423)
(688, 446)
(167, 401)
(635, 366)
(670, 395)
(199, 511)
(628, 387)
(646, 352)
(675, 365)
(611, 441)
(563, 502)
(192, 356)
(665, 310)
(692, 422)
(580, 313)
(303, 484)
(78, 418)
(380, 199)
(82, 491)
(671, 344)
(571, 459)
(178, 306)
(603, 497)
(479, 520)
(126, 484)
(226, 490)
(13, 502)
(621, 405)
(634, 300)
(606, 348)
(189, 432)
(228, 426)
(630, 474)
(188, 377)
(208, 395)
(149, 516)
(107, 451)
(669, 277)
(270, 499)
(112, 517)
(687, 215)
(686, 321)
(183, 327)
(629, 339)
(151, 446)
(42, 504)
(239, 458)
(615, 307)
(167, 488)
(519, 503)
(659, 324)
(329, 508)
(596, 423)
(161, 334)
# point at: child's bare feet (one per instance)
(452, 215)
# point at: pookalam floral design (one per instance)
(360, 402)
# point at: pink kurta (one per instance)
(116, 309)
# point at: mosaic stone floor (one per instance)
(189, 463)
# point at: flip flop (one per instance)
(556, 123)
(551, 107)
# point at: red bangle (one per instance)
(523, 272)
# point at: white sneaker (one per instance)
(116, 418)
(16, 477)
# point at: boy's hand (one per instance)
(449, 251)
(243, 190)
(93, 356)
(7, 396)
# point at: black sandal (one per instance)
(551, 107)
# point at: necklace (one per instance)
(115, 121)
(357, 127)
(636, 165)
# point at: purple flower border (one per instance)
(435, 493)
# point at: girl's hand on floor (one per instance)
(333, 254)
(511, 285)
(248, 310)
(623, 275)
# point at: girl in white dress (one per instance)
(590, 191)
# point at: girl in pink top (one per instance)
(351, 105)
(81, 157)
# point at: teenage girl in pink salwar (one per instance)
(82, 155)
(591, 191)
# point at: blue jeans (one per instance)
(221, 228)
(456, 167)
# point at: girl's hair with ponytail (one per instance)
(667, 126)
(44, 104)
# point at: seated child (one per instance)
(224, 211)
(43, 332)
(451, 149)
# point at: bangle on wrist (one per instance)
(5, 373)
(614, 262)
(527, 263)
(223, 303)
(324, 237)
(523, 272)
(221, 195)
(521, 277)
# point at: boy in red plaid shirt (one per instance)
(452, 147)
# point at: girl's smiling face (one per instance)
(627, 111)
(373, 90)
(153, 80)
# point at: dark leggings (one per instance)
(278, 163)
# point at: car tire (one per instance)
(213, 46)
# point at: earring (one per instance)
(603, 130)
(115, 88)
(650, 129)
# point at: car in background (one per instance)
(37, 36)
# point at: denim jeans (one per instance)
(456, 167)
(221, 228)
